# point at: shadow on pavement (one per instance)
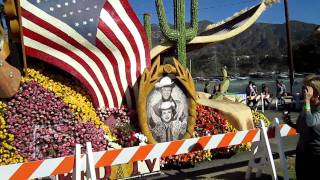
(241, 175)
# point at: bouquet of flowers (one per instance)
(120, 122)
(257, 116)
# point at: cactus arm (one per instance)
(147, 27)
(192, 32)
(169, 33)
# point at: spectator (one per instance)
(206, 87)
(255, 89)
(250, 90)
(251, 93)
(308, 127)
(281, 88)
(284, 89)
(266, 93)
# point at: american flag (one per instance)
(100, 42)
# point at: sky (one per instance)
(217, 10)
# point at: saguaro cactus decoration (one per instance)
(180, 34)
(147, 27)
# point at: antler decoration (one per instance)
(185, 78)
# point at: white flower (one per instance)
(142, 138)
(113, 145)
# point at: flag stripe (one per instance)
(46, 41)
(114, 39)
(126, 6)
(34, 52)
(109, 22)
(28, 15)
(118, 62)
(106, 31)
(126, 32)
(112, 64)
(146, 63)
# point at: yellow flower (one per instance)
(8, 153)
(257, 116)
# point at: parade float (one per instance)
(86, 74)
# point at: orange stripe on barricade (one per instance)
(65, 166)
(172, 148)
(142, 153)
(250, 135)
(26, 170)
(292, 132)
(108, 158)
(202, 142)
(227, 138)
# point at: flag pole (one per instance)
(289, 47)
(21, 39)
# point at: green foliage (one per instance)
(307, 55)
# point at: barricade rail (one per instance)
(55, 166)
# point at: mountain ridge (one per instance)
(261, 47)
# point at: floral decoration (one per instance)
(257, 116)
(70, 90)
(8, 153)
(121, 123)
(45, 127)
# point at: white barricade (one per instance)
(266, 162)
(53, 167)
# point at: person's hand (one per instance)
(308, 93)
(179, 111)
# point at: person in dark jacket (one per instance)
(308, 127)
(265, 91)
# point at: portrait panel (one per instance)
(167, 110)
(166, 103)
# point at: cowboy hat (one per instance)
(167, 105)
(165, 81)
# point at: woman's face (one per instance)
(315, 98)
(166, 115)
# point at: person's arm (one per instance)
(312, 119)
